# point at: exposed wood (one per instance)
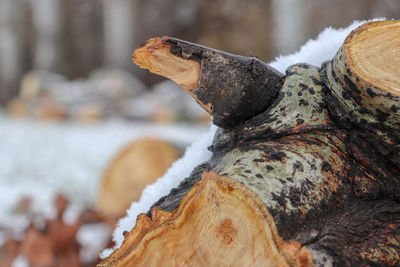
(229, 238)
(317, 173)
(361, 102)
(155, 56)
(231, 88)
(361, 48)
(139, 163)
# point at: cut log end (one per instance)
(232, 227)
(156, 56)
(362, 47)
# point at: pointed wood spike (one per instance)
(231, 88)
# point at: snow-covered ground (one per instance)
(39, 159)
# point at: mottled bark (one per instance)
(320, 166)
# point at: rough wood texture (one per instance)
(159, 241)
(231, 88)
(322, 159)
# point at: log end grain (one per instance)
(218, 223)
(373, 54)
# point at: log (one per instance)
(312, 180)
(137, 165)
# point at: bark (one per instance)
(313, 180)
(231, 88)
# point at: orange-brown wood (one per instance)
(139, 163)
(222, 222)
(218, 223)
(155, 56)
(362, 47)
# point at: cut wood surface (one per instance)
(363, 46)
(311, 180)
(229, 238)
(137, 165)
(156, 56)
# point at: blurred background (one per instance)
(83, 130)
(76, 37)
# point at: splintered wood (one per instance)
(155, 56)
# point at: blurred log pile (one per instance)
(53, 242)
(139, 164)
(75, 237)
(107, 92)
(74, 37)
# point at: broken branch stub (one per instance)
(231, 88)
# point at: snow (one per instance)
(314, 52)
(38, 160)
(93, 238)
(20, 261)
(194, 155)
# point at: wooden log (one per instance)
(314, 180)
(138, 164)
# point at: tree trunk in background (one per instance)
(119, 32)
(11, 45)
(290, 25)
(240, 27)
(47, 25)
(82, 37)
(74, 37)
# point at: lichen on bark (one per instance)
(322, 158)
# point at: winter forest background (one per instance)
(71, 99)
(75, 37)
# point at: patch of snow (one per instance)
(93, 238)
(313, 52)
(316, 51)
(72, 213)
(20, 261)
(39, 160)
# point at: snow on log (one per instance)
(312, 180)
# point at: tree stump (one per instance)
(305, 168)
